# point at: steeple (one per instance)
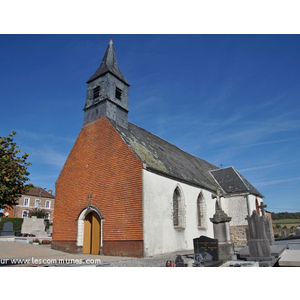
(107, 91)
(109, 64)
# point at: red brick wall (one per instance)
(100, 163)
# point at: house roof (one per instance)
(163, 157)
(231, 181)
(109, 64)
(39, 192)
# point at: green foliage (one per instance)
(13, 172)
(285, 215)
(37, 212)
(17, 223)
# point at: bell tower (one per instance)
(107, 91)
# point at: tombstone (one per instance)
(7, 229)
(259, 247)
(221, 227)
(268, 227)
(205, 244)
(34, 226)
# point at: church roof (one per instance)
(165, 158)
(109, 64)
(162, 157)
(231, 181)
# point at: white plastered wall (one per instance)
(238, 207)
(160, 236)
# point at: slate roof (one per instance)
(163, 157)
(231, 181)
(109, 64)
(39, 192)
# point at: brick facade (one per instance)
(30, 204)
(102, 164)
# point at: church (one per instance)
(125, 191)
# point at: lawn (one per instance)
(287, 222)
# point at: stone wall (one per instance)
(238, 235)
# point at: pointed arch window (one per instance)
(201, 212)
(178, 209)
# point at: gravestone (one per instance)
(34, 226)
(7, 229)
(221, 227)
(257, 240)
(205, 244)
(268, 226)
(260, 246)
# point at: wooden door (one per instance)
(95, 243)
(91, 238)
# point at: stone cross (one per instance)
(262, 208)
(90, 197)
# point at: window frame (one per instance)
(48, 201)
(27, 213)
(28, 201)
(96, 92)
(179, 213)
(39, 201)
(118, 93)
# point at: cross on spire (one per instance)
(262, 208)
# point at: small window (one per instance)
(26, 201)
(37, 202)
(96, 92)
(201, 212)
(47, 216)
(47, 204)
(118, 93)
(25, 214)
(178, 209)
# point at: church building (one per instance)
(125, 191)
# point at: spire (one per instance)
(109, 64)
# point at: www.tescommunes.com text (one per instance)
(48, 261)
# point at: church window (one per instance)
(178, 209)
(118, 93)
(201, 212)
(96, 92)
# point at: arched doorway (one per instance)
(92, 233)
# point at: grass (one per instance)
(287, 222)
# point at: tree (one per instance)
(13, 172)
(39, 213)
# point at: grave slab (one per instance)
(290, 258)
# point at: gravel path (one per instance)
(155, 261)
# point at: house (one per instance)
(35, 198)
(125, 191)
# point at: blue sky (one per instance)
(229, 99)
